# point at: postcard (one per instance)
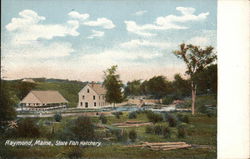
(108, 79)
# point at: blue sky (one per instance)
(79, 39)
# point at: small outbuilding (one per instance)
(44, 100)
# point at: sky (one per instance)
(79, 39)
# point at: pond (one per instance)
(135, 108)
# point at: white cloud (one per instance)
(38, 51)
(77, 15)
(140, 13)
(96, 33)
(28, 28)
(139, 43)
(101, 22)
(200, 41)
(167, 22)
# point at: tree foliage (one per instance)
(113, 84)
(7, 111)
(196, 60)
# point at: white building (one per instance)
(43, 100)
(92, 96)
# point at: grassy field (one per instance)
(201, 131)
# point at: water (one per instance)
(135, 108)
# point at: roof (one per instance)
(44, 97)
(98, 88)
(28, 80)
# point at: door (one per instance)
(86, 104)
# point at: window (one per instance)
(87, 90)
(86, 104)
(81, 103)
(95, 104)
(83, 97)
(94, 97)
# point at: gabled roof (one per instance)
(44, 97)
(98, 88)
(28, 80)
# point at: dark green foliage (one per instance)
(132, 135)
(158, 129)
(117, 114)
(133, 88)
(58, 117)
(24, 88)
(171, 119)
(103, 119)
(182, 131)
(166, 132)
(132, 115)
(154, 117)
(27, 128)
(113, 85)
(181, 87)
(81, 128)
(120, 134)
(7, 111)
(183, 118)
(168, 100)
(149, 129)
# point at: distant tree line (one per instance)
(159, 86)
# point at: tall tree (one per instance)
(159, 86)
(133, 88)
(113, 84)
(7, 111)
(196, 60)
(181, 86)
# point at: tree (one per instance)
(24, 88)
(181, 86)
(132, 135)
(133, 88)
(27, 128)
(113, 85)
(58, 117)
(196, 60)
(7, 111)
(158, 86)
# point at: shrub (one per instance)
(158, 129)
(154, 117)
(182, 131)
(117, 114)
(58, 117)
(149, 129)
(166, 132)
(183, 118)
(167, 100)
(132, 135)
(82, 129)
(132, 115)
(121, 135)
(172, 121)
(27, 128)
(103, 119)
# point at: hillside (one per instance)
(69, 89)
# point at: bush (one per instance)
(103, 119)
(117, 114)
(132, 135)
(158, 129)
(172, 121)
(183, 118)
(58, 117)
(149, 129)
(132, 115)
(167, 100)
(166, 132)
(182, 131)
(154, 117)
(27, 128)
(82, 129)
(121, 135)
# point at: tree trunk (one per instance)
(193, 97)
